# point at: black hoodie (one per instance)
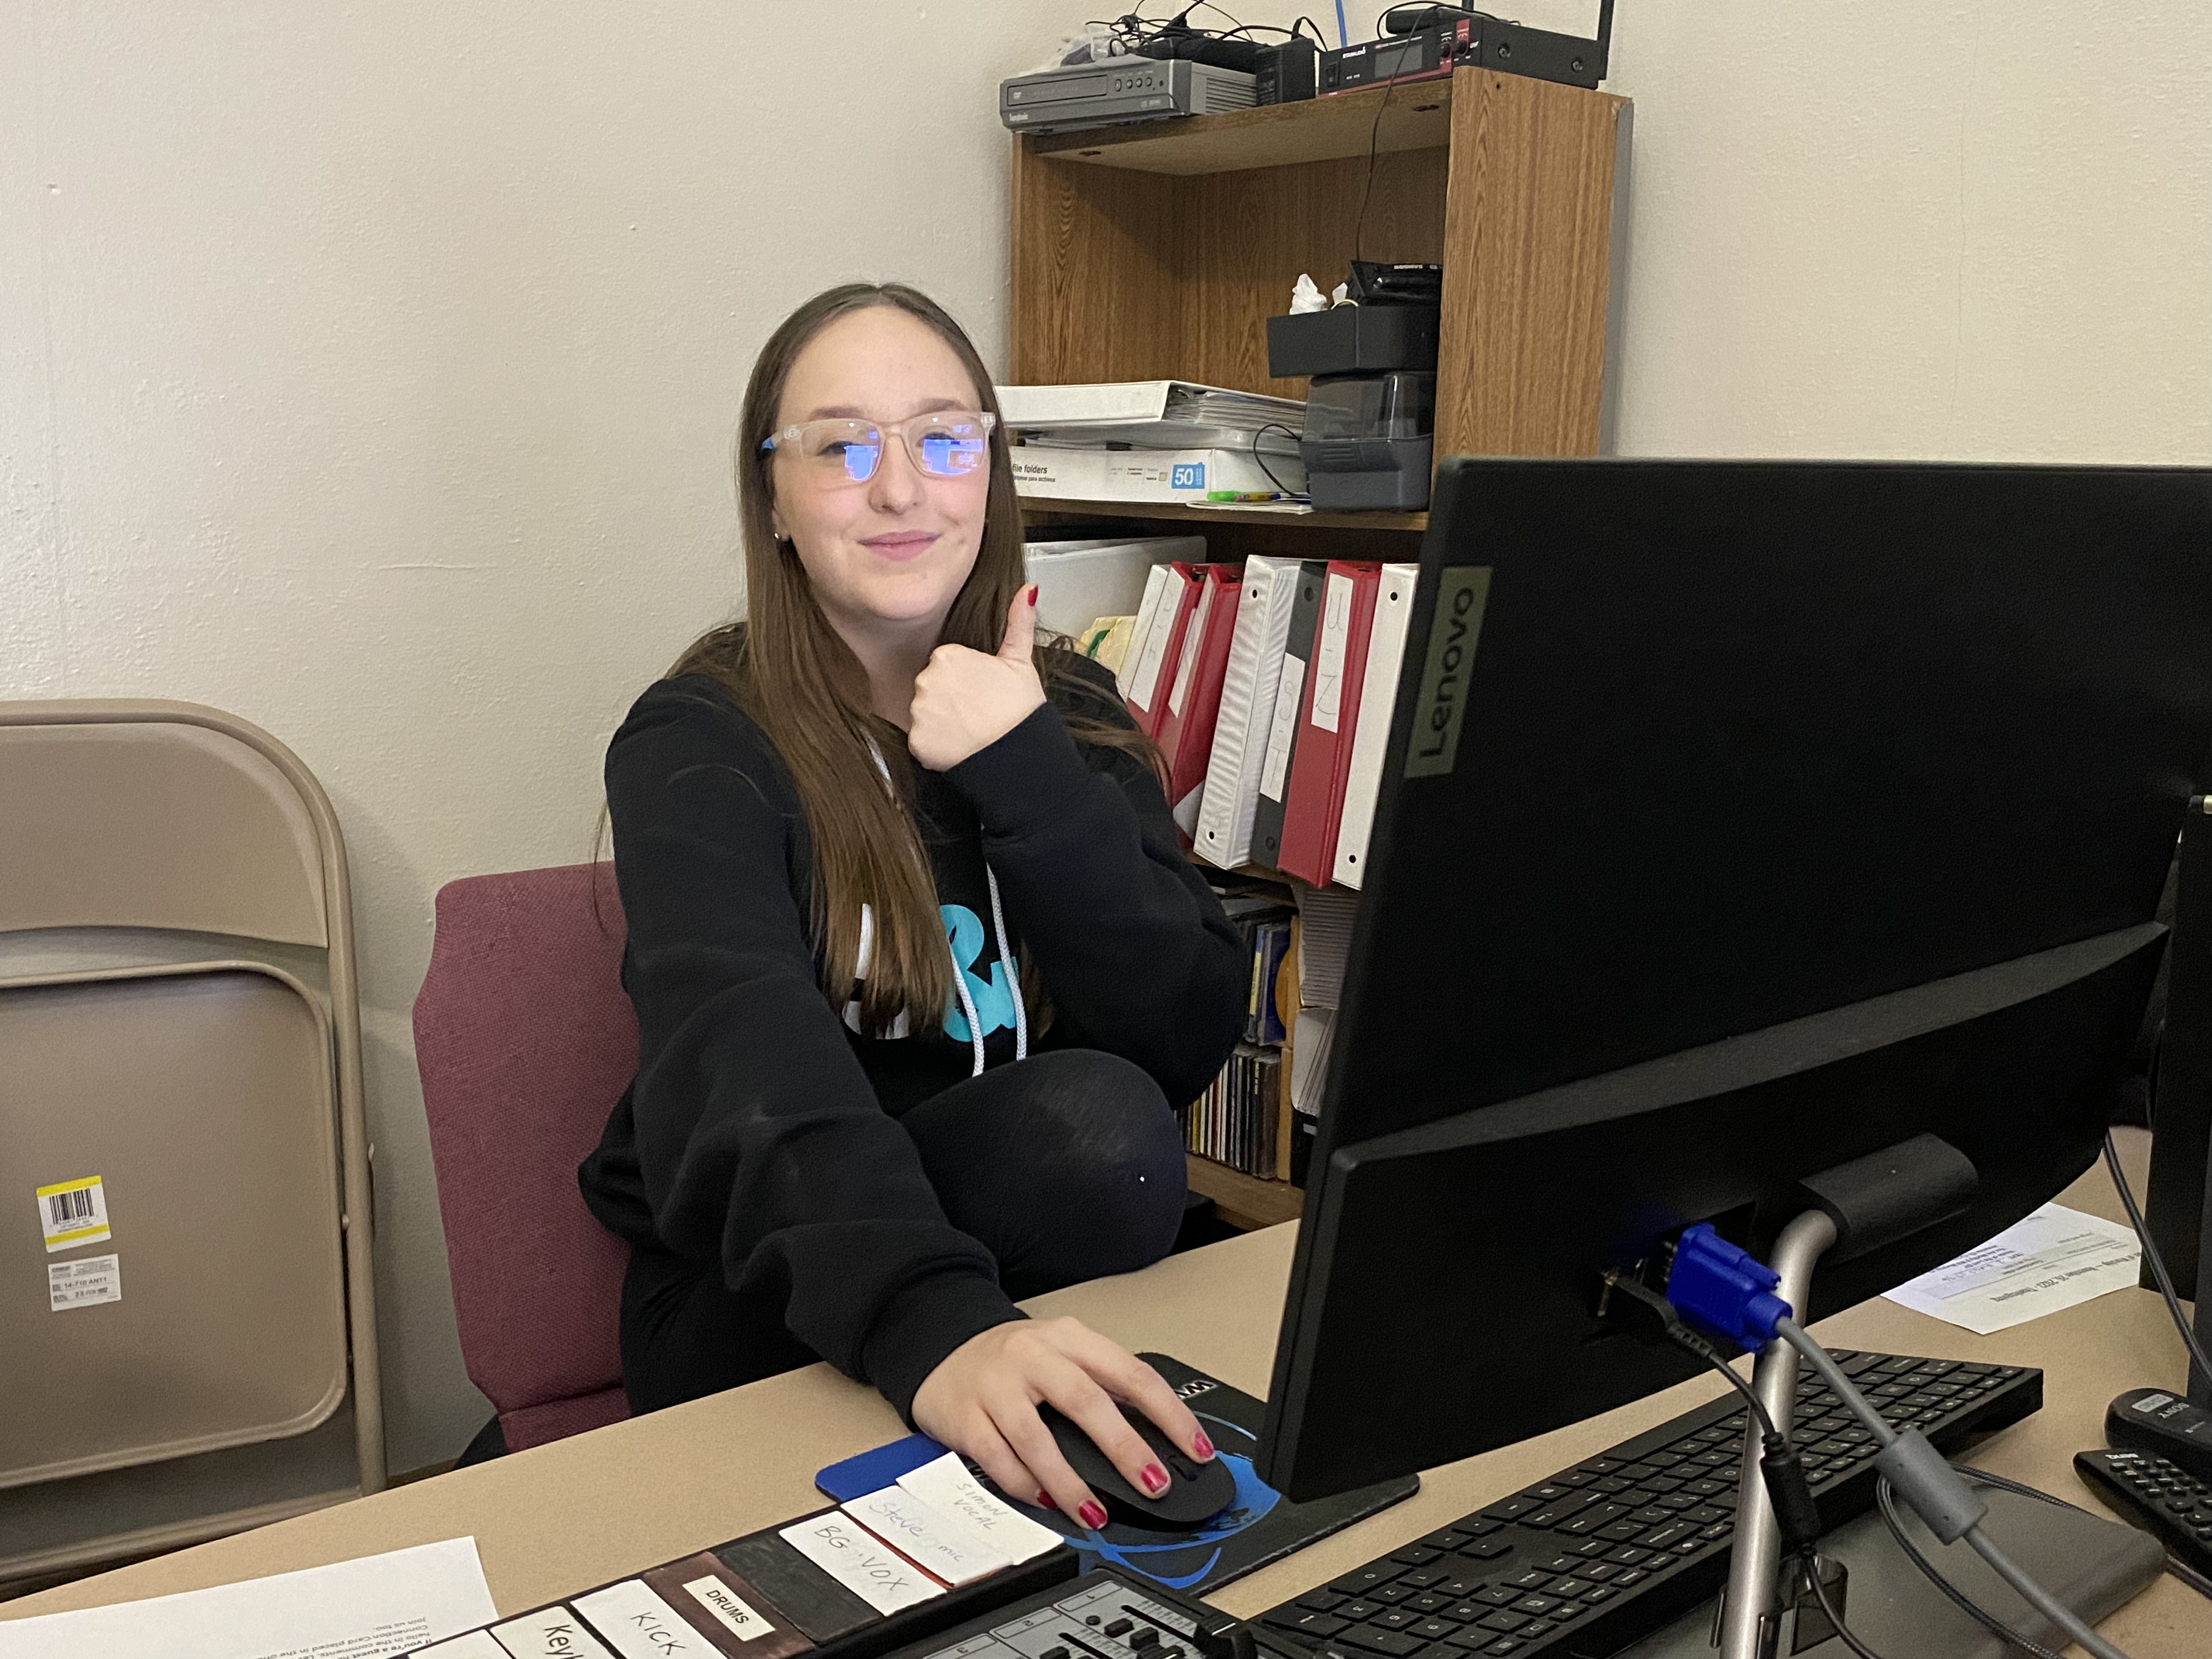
(760, 1132)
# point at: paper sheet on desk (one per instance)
(2054, 1258)
(366, 1609)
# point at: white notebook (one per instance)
(1231, 799)
(1378, 692)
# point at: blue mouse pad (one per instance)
(1258, 1525)
(871, 1471)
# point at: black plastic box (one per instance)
(1352, 340)
(1288, 72)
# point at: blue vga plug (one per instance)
(1724, 1291)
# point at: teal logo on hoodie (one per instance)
(994, 997)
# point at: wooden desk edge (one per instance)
(551, 1521)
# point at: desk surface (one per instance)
(553, 1519)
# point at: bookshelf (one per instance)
(1244, 1200)
(1157, 252)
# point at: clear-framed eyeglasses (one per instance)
(946, 443)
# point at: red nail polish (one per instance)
(1202, 1446)
(1032, 596)
(1092, 1516)
(1044, 1501)
(1154, 1477)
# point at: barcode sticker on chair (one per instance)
(73, 1212)
(83, 1282)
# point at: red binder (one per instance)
(1152, 675)
(1326, 716)
(1193, 699)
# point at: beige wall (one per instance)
(370, 371)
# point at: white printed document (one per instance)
(2054, 1258)
(370, 1608)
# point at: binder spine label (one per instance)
(1283, 728)
(1144, 684)
(1188, 670)
(1328, 658)
(1462, 594)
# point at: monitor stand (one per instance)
(1745, 1628)
(2094, 1565)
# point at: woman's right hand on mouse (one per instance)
(981, 1400)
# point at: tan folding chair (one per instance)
(188, 1335)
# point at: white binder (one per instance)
(1148, 617)
(1079, 582)
(1248, 697)
(1378, 692)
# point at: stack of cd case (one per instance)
(882, 1569)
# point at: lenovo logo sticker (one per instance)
(1462, 593)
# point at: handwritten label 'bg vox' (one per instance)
(871, 1570)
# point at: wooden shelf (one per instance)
(1244, 1200)
(1158, 251)
(1419, 116)
(1413, 523)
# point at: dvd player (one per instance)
(1118, 90)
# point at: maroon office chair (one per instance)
(525, 1040)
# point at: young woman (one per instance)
(918, 963)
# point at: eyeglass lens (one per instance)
(943, 446)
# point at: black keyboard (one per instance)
(1607, 1551)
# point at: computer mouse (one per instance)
(1194, 1490)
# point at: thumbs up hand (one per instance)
(964, 702)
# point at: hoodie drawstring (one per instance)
(959, 972)
(1013, 985)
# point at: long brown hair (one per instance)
(801, 685)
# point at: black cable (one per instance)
(1374, 133)
(1843, 1633)
(2157, 1262)
(2030, 1590)
(1241, 28)
(1885, 1497)
(1767, 1424)
(2174, 1565)
(1885, 1501)
(1445, 15)
(1690, 1342)
(1273, 426)
(1134, 29)
(2020, 1488)
(2188, 1575)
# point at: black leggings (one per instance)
(1065, 1166)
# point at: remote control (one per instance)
(2161, 1423)
(2157, 1495)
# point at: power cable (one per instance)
(1273, 426)
(1928, 1476)
(2157, 1262)
(1374, 133)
